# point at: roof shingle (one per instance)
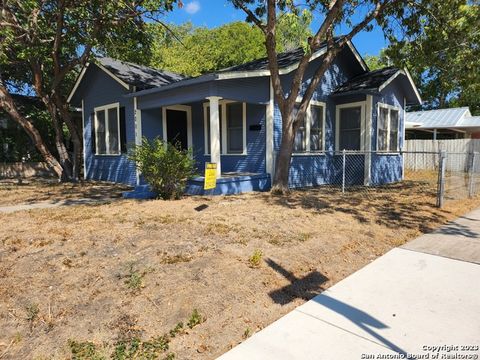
(142, 77)
(370, 81)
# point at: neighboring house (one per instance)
(15, 144)
(442, 124)
(352, 109)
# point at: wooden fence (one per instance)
(423, 154)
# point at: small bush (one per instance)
(84, 351)
(134, 279)
(177, 329)
(138, 349)
(165, 167)
(32, 311)
(256, 258)
(195, 319)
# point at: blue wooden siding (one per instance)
(318, 169)
(388, 168)
(152, 125)
(99, 89)
(103, 90)
(253, 161)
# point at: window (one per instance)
(317, 115)
(107, 130)
(232, 116)
(387, 132)
(234, 128)
(299, 144)
(309, 135)
(349, 128)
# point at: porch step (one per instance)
(140, 192)
(230, 185)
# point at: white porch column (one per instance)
(368, 141)
(215, 133)
(138, 129)
(269, 115)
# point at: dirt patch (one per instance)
(83, 278)
(14, 192)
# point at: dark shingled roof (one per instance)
(142, 77)
(285, 59)
(368, 82)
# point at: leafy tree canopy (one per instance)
(192, 51)
(444, 57)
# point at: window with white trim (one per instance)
(387, 128)
(310, 134)
(232, 116)
(107, 129)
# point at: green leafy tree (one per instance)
(266, 16)
(202, 50)
(165, 167)
(43, 44)
(444, 56)
(192, 51)
(375, 62)
(15, 145)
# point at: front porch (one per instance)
(221, 126)
(227, 184)
(230, 184)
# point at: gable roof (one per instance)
(129, 75)
(441, 118)
(375, 81)
(146, 82)
(369, 81)
(141, 77)
(288, 61)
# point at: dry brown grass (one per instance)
(13, 192)
(78, 266)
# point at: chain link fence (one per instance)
(436, 176)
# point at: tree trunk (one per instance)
(7, 103)
(74, 134)
(280, 180)
(63, 154)
(289, 129)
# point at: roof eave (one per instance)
(181, 83)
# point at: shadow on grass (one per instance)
(69, 193)
(409, 204)
(299, 288)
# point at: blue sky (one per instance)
(212, 13)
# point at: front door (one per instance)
(177, 128)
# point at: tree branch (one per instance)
(250, 15)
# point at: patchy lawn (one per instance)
(13, 192)
(113, 279)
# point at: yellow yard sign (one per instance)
(210, 176)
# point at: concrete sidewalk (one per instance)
(421, 301)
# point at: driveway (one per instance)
(420, 301)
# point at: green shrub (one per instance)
(165, 167)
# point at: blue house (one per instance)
(230, 117)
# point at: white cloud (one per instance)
(192, 7)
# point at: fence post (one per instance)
(441, 178)
(471, 171)
(343, 171)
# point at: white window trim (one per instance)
(308, 125)
(389, 108)
(107, 133)
(185, 108)
(362, 105)
(223, 104)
